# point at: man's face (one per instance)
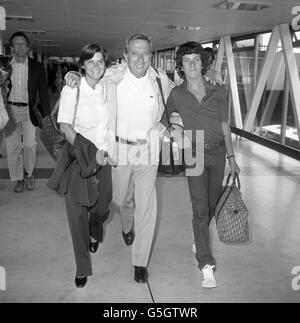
(19, 46)
(192, 66)
(138, 57)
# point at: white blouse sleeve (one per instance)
(3, 113)
(67, 105)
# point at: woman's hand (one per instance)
(72, 79)
(103, 158)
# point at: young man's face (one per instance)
(192, 66)
(138, 57)
(20, 47)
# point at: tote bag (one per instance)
(231, 214)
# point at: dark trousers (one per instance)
(85, 222)
(205, 191)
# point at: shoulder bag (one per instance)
(170, 156)
(50, 135)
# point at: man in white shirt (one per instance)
(139, 110)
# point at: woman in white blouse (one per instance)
(91, 122)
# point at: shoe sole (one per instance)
(209, 286)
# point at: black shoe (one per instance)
(128, 237)
(93, 246)
(140, 274)
(80, 281)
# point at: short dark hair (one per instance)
(211, 52)
(18, 34)
(135, 37)
(191, 47)
(88, 51)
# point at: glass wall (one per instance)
(275, 118)
(165, 59)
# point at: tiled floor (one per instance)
(36, 249)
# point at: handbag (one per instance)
(170, 158)
(51, 136)
(231, 214)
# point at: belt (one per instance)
(129, 142)
(214, 144)
(18, 104)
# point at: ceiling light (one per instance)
(50, 45)
(44, 40)
(38, 32)
(181, 27)
(242, 5)
(20, 18)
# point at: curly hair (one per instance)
(191, 47)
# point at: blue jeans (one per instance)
(205, 191)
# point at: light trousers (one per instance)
(21, 145)
(135, 196)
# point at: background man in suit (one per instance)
(27, 83)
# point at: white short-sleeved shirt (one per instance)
(136, 101)
(91, 119)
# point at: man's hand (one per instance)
(213, 77)
(103, 158)
(72, 79)
(182, 141)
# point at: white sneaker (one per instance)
(208, 277)
(194, 248)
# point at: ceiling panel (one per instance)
(73, 23)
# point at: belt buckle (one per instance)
(207, 146)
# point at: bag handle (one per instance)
(235, 181)
(158, 80)
(56, 107)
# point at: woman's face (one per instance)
(94, 67)
(192, 66)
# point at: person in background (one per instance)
(3, 118)
(203, 106)
(5, 73)
(87, 198)
(211, 73)
(27, 84)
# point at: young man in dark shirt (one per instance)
(203, 107)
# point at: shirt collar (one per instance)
(85, 85)
(206, 84)
(13, 61)
(135, 79)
